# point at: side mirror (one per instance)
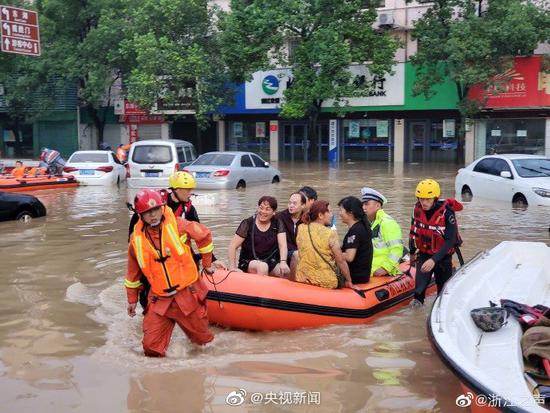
(266, 164)
(506, 174)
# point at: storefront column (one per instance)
(547, 138)
(165, 131)
(221, 135)
(273, 140)
(469, 142)
(399, 140)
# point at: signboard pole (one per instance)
(333, 141)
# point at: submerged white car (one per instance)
(96, 168)
(517, 178)
(232, 170)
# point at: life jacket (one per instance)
(183, 209)
(171, 268)
(428, 233)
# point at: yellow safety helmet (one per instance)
(182, 179)
(428, 188)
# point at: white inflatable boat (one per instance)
(490, 364)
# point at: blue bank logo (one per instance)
(270, 85)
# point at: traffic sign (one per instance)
(19, 31)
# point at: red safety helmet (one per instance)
(147, 199)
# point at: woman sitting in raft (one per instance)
(262, 240)
(357, 246)
(319, 254)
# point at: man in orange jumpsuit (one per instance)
(122, 151)
(157, 249)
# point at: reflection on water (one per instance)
(66, 342)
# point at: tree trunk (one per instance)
(99, 121)
(462, 94)
(313, 117)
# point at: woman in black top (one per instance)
(357, 245)
(262, 240)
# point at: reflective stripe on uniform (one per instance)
(393, 257)
(379, 243)
(132, 284)
(139, 251)
(172, 233)
(183, 238)
(208, 248)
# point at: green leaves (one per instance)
(470, 47)
(326, 37)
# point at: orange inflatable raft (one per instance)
(259, 303)
(11, 184)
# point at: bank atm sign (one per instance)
(20, 31)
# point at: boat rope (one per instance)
(210, 278)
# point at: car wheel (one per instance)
(519, 200)
(466, 193)
(241, 184)
(24, 216)
(275, 180)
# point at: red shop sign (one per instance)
(527, 87)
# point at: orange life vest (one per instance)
(428, 233)
(172, 268)
(18, 172)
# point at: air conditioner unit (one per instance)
(385, 19)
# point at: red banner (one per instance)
(527, 87)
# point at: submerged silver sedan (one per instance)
(219, 170)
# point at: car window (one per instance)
(246, 161)
(532, 168)
(215, 159)
(181, 155)
(89, 157)
(190, 153)
(152, 154)
(259, 162)
(501, 165)
(486, 166)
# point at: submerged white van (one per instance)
(151, 162)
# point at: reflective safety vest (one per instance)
(428, 234)
(169, 269)
(387, 243)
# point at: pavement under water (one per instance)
(67, 344)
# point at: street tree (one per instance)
(177, 59)
(326, 37)
(471, 42)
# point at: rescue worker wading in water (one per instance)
(433, 238)
(181, 184)
(158, 250)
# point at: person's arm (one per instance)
(351, 244)
(235, 243)
(202, 237)
(449, 235)
(132, 281)
(340, 261)
(283, 252)
(349, 254)
(391, 235)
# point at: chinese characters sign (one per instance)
(20, 31)
(525, 85)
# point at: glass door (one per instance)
(296, 144)
(418, 141)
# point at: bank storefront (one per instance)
(515, 119)
(389, 125)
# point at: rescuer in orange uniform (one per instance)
(158, 250)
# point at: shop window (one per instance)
(514, 136)
(249, 137)
(367, 139)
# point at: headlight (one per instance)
(542, 192)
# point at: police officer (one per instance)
(387, 239)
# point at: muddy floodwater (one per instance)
(67, 344)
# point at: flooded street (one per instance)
(67, 344)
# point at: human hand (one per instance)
(220, 265)
(209, 270)
(284, 268)
(428, 265)
(131, 309)
(380, 272)
(349, 284)
(412, 258)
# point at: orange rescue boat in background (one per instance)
(11, 184)
(260, 303)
